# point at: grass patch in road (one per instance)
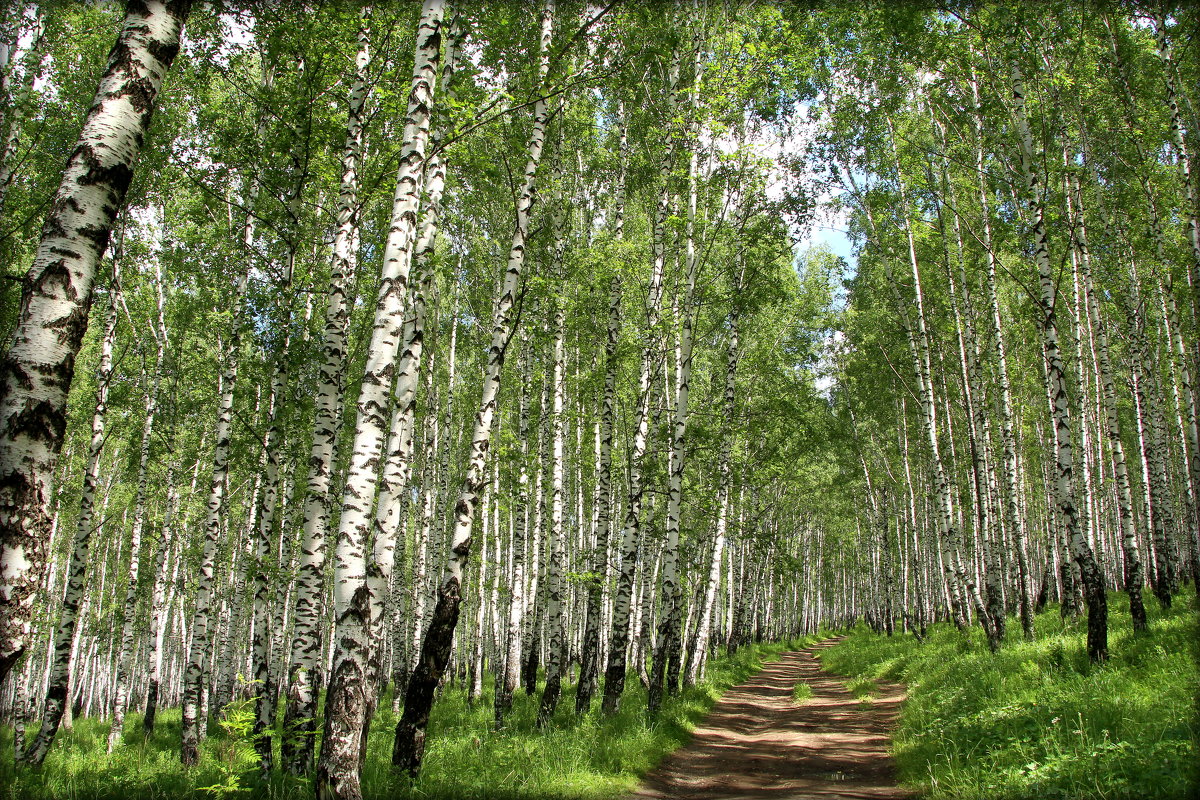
(801, 693)
(1037, 719)
(863, 688)
(588, 758)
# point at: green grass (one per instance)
(801, 693)
(594, 757)
(862, 688)
(1037, 720)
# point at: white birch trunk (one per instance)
(409, 747)
(1007, 428)
(508, 677)
(665, 677)
(916, 332)
(1132, 572)
(1183, 163)
(299, 716)
(121, 679)
(394, 479)
(556, 565)
(263, 684)
(590, 658)
(36, 370)
(1080, 549)
(699, 653)
(160, 603)
(347, 700)
(57, 698)
(194, 679)
(614, 674)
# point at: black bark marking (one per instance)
(11, 371)
(19, 496)
(54, 272)
(98, 235)
(97, 173)
(164, 52)
(40, 421)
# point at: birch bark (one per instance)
(1132, 572)
(1008, 437)
(65, 633)
(508, 677)
(36, 370)
(589, 667)
(614, 674)
(700, 650)
(348, 697)
(394, 479)
(556, 566)
(161, 597)
(296, 747)
(1064, 491)
(195, 680)
(260, 661)
(409, 748)
(916, 331)
(121, 678)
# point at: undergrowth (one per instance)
(592, 757)
(801, 693)
(1037, 720)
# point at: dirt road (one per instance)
(757, 743)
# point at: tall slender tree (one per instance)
(347, 700)
(409, 748)
(37, 367)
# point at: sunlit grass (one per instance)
(801, 693)
(1037, 720)
(862, 688)
(592, 757)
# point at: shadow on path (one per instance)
(757, 743)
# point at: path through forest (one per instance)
(758, 743)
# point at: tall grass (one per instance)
(590, 757)
(1037, 720)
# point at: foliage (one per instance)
(235, 750)
(1036, 720)
(824, 430)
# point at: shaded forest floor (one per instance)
(592, 757)
(792, 730)
(1037, 720)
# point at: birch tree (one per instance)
(56, 691)
(39, 364)
(300, 714)
(347, 698)
(409, 748)
(1081, 550)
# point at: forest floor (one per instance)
(760, 741)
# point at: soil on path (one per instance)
(758, 743)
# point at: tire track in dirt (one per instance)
(757, 743)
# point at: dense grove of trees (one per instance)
(450, 343)
(1023, 191)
